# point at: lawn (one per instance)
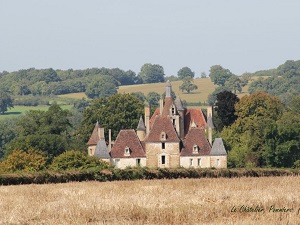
(181, 201)
(19, 110)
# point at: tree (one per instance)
(219, 75)
(117, 112)
(188, 85)
(8, 132)
(153, 98)
(47, 131)
(103, 86)
(245, 137)
(76, 160)
(225, 107)
(203, 75)
(151, 73)
(139, 95)
(6, 101)
(20, 160)
(212, 98)
(185, 72)
(234, 84)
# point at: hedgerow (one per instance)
(135, 173)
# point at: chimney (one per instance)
(147, 118)
(101, 133)
(109, 139)
(209, 123)
(161, 106)
(168, 89)
(209, 111)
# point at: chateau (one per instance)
(173, 136)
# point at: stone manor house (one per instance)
(173, 136)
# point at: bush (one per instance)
(21, 161)
(76, 160)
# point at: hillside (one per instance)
(205, 87)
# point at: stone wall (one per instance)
(218, 161)
(159, 155)
(122, 163)
(195, 161)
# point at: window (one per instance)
(173, 121)
(163, 159)
(138, 162)
(173, 110)
(163, 145)
(191, 162)
(218, 162)
(127, 151)
(91, 151)
(195, 149)
(199, 162)
(163, 136)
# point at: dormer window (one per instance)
(195, 149)
(173, 110)
(163, 136)
(127, 151)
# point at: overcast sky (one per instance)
(240, 35)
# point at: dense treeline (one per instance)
(49, 81)
(284, 83)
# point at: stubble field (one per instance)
(182, 201)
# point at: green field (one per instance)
(19, 110)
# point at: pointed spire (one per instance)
(168, 89)
(218, 147)
(209, 123)
(141, 125)
(178, 103)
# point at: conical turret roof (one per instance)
(178, 104)
(141, 125)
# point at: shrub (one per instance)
(19, 160)
(76, 160)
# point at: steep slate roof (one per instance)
(141, 125)
(195, 136)
(162, 124)
(101, 150)
(209, 123)
(178, 104)
(127, 138)
(95, 136)
(218, 147)
(193, 115)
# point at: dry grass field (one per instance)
(182, 201)
(205, 87)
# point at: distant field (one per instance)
(79, 95)
(205, 87)
(181, 201)
(19, 110)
